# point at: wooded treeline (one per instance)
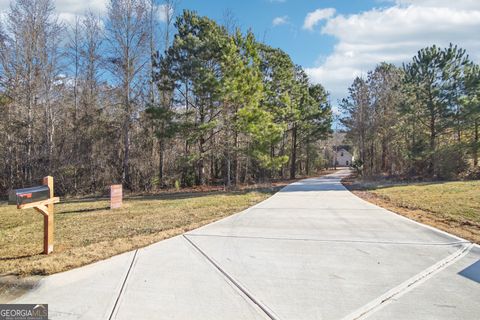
(128, 98)
(420, 120)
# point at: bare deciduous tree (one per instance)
(127, 35)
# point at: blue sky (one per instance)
(335, 40)
(305, 47)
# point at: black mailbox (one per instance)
(29, 195)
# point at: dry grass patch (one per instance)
(450, 206)
(87, 231)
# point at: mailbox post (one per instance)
(42, 200)
(48, 216)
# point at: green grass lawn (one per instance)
(87, 231)
(457, 200)
(450, 206)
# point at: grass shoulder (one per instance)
(86, 230)
(452, 206)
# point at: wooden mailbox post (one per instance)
(43, 206)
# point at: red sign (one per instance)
(116, 196)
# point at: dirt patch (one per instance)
(12, 287)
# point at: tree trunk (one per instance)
(201, 149)
(475, 143)
(293, 164)
(433, 136)
(126, 155)
(229, 178)
(9, 152)
(247, 160)
(307, 158)
(212, 162)
(372, 159)
(29, 166)
(272, 169)
(185, 164)
(282, 152)
(384, 155)
(201, 162)
(237, 161)
(362, 151)
(126, 123)
(161, 149)
(126, 136)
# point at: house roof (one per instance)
(344, 147)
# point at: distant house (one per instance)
(343, 157)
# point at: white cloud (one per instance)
(162, 11)
(394, 34)
(78, 7)
(314, 17)
(67, 10)
(462, 4)
(279, 21)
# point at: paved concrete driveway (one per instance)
(312, 251)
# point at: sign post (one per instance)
(116, 196)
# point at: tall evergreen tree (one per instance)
(434, 75)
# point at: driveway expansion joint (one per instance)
(396, 292)
(332, 240)
(115, 306)
(269, 313)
